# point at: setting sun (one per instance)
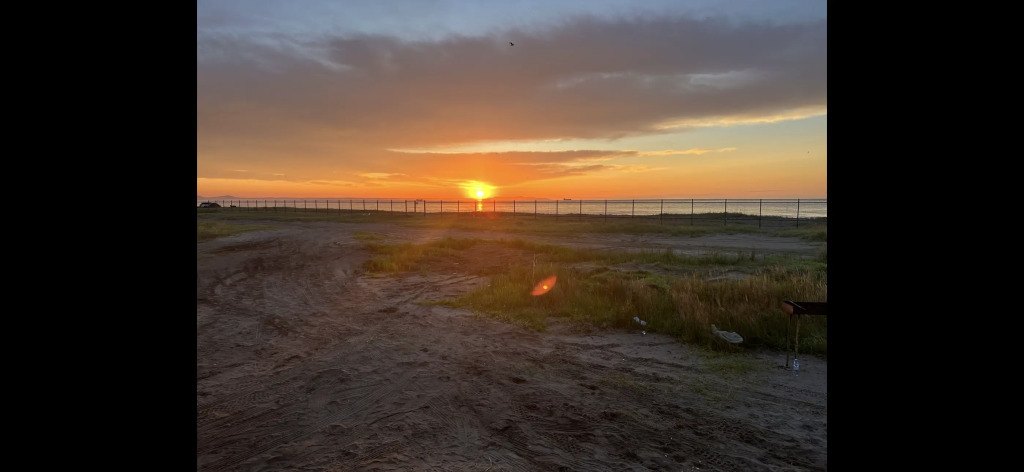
(479, 194)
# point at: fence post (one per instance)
(513, 209)
(661, 214)
(759, 212)
(632, 212)
(798, 213)
(535, 209)
(691, 212)
(726, 222)
(556, 210)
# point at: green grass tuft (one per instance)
(207, 230)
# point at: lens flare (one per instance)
(544, 286)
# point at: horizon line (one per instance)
(232, 197)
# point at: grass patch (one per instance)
(676, 294)
(727, 364)
(525, 223)
(684, 304)
(394, 258)
(812, 232)
(207, 230)
(361, 235)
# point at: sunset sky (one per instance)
(597, 99)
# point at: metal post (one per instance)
(632, 212)
(513, 208)
(789, 325)
(726, 223)
(606, 210)
(556, 210)
(535, 209)
(796, 338)
(798, 225)
(661, 214)
(581, 210)
(759, 212)
(494, 205)
(691, 212)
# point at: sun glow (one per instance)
(477, 189)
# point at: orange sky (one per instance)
(585, 105)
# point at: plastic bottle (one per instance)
(796, 367)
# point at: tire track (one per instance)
(352, 411)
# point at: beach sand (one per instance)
(306, 362)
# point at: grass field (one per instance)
(683, 297)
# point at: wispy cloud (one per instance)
(671, 152)
(380, 175)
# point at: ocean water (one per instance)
(675, 208)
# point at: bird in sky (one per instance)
(510, 43)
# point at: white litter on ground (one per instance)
(727, 335)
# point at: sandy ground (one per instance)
(306, 362)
